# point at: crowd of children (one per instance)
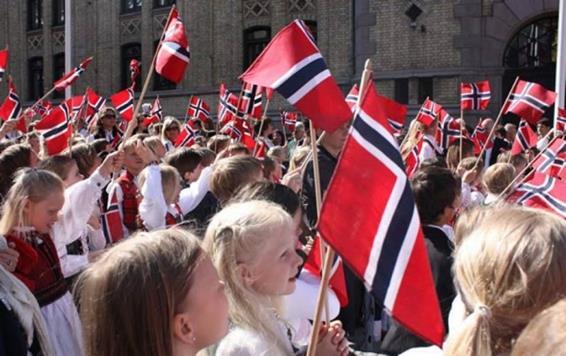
(125, 244)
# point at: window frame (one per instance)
(58, 8)
(33, 82)
(247, 58)
(124, 9)
(125, 59)
(33, 25)
(169, 3)
(160, 83)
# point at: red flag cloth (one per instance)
(42, 107)
(475, 96)
(552, 160)
(526, 138)
(135, 70)
(251, 100)
(352, 97)
(337, 280)
(541, 191)
(70, 77)
(268, 93)
(95, 102)
(173, 55)
(448, 130)
(56, 129)
(561, 120)
(381, 240)
(112, 221)
(187, 136)
(428, 112)
(123, 101)
(292, 64)
(479, 137)
(198, 109)
(4, 55)
(529, 101)
(11, 108)
(413, 160)
(227, 106)
(289, 119)
(261, 149)
(75, 104)
(156, 113)
(236, 128)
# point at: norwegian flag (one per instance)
(261, 149)
(56, 129)
(289, 119)
(156, 113)
(448, 130)
(95, 102)
(292, 64)
(227, 106)
(337, 279)
(428, 112)
(70, 77)
(561, 120)
(123, 101)
(198, 109)
(75, 105)
(352, 97)
(475, 96)
(112, 221)
(235, 129)
(251, 100)
(187, 137)
(525, 138)
(4, 54)
(11, 108)
(529, 101)
(381, 241)
(413, 159)
(551, 160)
(541, 191)
(135, 70)
(42, 107)
(479, 137)
(173, 55)
(268, 93)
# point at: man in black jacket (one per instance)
(437, 195)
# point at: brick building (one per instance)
(419, 48)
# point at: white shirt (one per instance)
(190, 197)
(429, 148)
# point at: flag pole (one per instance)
(407, 135)
(260, 124)
(560, 65)
(461, 130)
(329, 254)
(492, 131)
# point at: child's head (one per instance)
(132, 161)
(497, 177)
(237, 149)
(101, 145)
(65, 167)
(230, 174)
(154, 294)
(208, 156)
(170, 182)
(519, 162)
(252, 245)
(13, 158)
(271, 170)
(437, 194)
(156, 146)
(35, 198)
(86, 157)
(508, 269)
(469, 163)
(218, 143)
(453, 153)
(299, 156)
(187, 161)
(277, 153)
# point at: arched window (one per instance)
(162, 3)
(58, 71)
(58, 12)
(255, 40)
(129, 51)
(131, 6)
(534, 45)
(35, 78)
(35, 16)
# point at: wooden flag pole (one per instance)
(329, 254)
(496, 121)
(261, 126)
(461, 131)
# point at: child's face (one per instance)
(275, 271)
(133, 162)
(73, 176)
(194, 175)
(43, 214)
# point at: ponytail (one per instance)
(473, 337)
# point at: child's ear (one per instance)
(183, 329)
(245, 274)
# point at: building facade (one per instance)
(418, 48)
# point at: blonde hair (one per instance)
(170, 181)
(153, 142)
(497, 177)
(298, 157)
(238, 234)
(130, 295)
(29, 184)
(508, 269)
(232, 173)
(416, 129)
(169, 121)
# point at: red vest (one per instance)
(131, 200)
(38, 266)
(171, 220)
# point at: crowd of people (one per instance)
(124, 244)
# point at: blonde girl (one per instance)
(252, 245)
(508, 269)
(170, 132)
(156, 294)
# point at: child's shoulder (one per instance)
(245, 342)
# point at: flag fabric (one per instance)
(529, 101)
(561, 120)
(479, 137)
(475, 96)
(413, 159)
(186, 137)
(352, 97)
(135, 70)
(251, 100)
(261, 149)
(235, 129)
(70, 77)
(173, 55)
(337, 280)
(42, 107)
(541, 191)
(448, 130)
(198, 109)
(156, 113)
(268, 93)
(381, 240)
(289, 119)
(11, 108)
(526, 138)
(95, 102)
(428, 112)
(227, 106)
(75, 104)
(4, 55)
(551, 160)
(56, 129)
(292, 64)
(112, 221)
(123, 101)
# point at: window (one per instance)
(255, 40)
(35, 78)
(312, 26)
(58, 12)
(130, 51)
(402, 90)
(131, 6)
(160, 83)
(425, 89)
(534, 45)
(162, 3)
(35, 16)
(58, 71)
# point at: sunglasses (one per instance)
(109, 117)
(171, 128)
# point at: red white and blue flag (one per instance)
(227, 106)
(292, 64)
(123, 101)
(448, 130)
(198, 109)
(70, 77)
(381, 241)
(479, 137)
(289, 119)
(551, 161)
(95, 102)
(135, 71)
(526, 138)
(541, 191)
(428, 112)
(173, 55)
(352, 97)
(42, 107)
(251, 100)
(112, 221)
(4, 54)
(529, 101)
(187, 136)
(11, 108)
(475, 96)
(561, 120)
(156, 113)
(56, 129)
